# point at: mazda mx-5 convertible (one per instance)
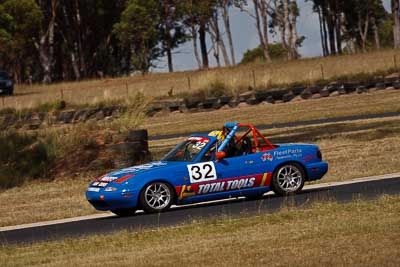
(236, 161)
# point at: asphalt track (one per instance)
(366, 188)
(295, 124)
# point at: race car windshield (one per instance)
(188, 150)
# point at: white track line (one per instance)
(107, 215)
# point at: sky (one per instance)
(245, 37)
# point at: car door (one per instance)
(229, 174)
(242, 172)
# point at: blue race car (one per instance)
(237, 161)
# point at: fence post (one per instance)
(127, 89)
(2, 100)
(189, 83)
(322, 71)
(62, 94)
(254, 78)
(395, 62)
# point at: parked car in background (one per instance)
(6, 84)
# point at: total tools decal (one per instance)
(223, 185)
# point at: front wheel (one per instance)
(288, 179)
(156, 197)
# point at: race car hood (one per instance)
(139, 170)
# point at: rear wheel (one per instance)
(124, 212)
(288, 179)
(156, 197)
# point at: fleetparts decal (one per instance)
(288, 153)
(224, 185)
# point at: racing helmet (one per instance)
(218, 134)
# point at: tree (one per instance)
(354, 24)
(20, 21)
(225, 5)
(261, 17)
(396, 22)
(173, 32)
(139, 32)
(199, 14)
(45, 42)
(216, 37)
(277, 52)
(284, 14)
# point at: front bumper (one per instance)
(316, 171)
(112, 200)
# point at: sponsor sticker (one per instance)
(267, 156)
(93, 189)
(108, 179)
(229, 184)
(102, 184)
(288, 153)
(226, 185)
(202, 172)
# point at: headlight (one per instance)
(110, 189)
(9, 83)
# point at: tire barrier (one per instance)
(134, 149)
(262, 96)
(380, 86)
(225, 100)
(297, 90)
(325, 92)
(245, 96)
(34, 120)
(315, 89)
(332, 87)
(210, 103)
(306, 94)
(288, 97)
(396, 85)
(361, 89)
(278, 95)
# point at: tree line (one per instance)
(54, 40)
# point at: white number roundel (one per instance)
(202, 172)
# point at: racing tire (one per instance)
(137, 135)
(156, 197)
(124, 212)
(288, 179)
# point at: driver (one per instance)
(219, 135)
(230, 149)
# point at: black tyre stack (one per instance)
(132, 151)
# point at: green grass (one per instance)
(361, 233)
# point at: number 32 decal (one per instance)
(202, 172)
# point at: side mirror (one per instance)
(220, 155)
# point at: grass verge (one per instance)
(361, 233)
